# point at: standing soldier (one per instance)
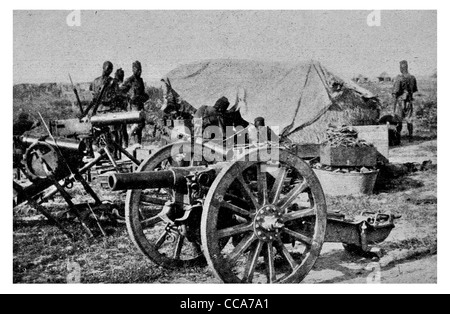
(103, 91)
(135, 88)
(404, 88)
(120, 104)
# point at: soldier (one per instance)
(120, 104)
(211, 117)
(404, 88)
(24, 124)
(120, 98)
(103, 90)
(259, 133)
(135, 89)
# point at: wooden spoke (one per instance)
(251, 263)
(286, 255)
(152, 200)
(241, 247)
(270, 266)
(236, 209)
(233, 198)
(277, 187)
(150, 222)
(247, 190)
(304, 239)
(228, 232)
(290, 198)
(178, 247)
(161, 239)
(197, 248)
(262, 185)
(299, 214)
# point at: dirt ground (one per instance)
(43, 255)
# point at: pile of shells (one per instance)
(345, 136)
(344, 169)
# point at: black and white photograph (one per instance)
(224, 146)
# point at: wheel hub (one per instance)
(268, 223)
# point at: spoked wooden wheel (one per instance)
(39, 158)
(264, 221)
(149, 228)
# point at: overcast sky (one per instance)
(46, 49)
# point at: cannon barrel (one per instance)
(146, 180)
(65, 144)
(174, 178)
(129, 117)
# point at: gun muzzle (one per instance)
(146, 180)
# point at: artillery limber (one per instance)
(259, 217)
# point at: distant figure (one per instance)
(259, 133)
(103, 90)
(404, 88)
(135, 88)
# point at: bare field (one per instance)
(42, 254)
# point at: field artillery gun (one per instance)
(258, 217)
(53, 163)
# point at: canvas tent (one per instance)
(302, 99)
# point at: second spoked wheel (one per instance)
(264, 221)
(156, 236)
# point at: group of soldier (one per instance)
(116, 94)
(216, 119)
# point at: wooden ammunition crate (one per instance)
(348, 156)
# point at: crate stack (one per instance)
(344, 152)
(347, 164)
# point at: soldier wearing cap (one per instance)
(103, 90)
(405, 86)
(259, 133)
(134, 87)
